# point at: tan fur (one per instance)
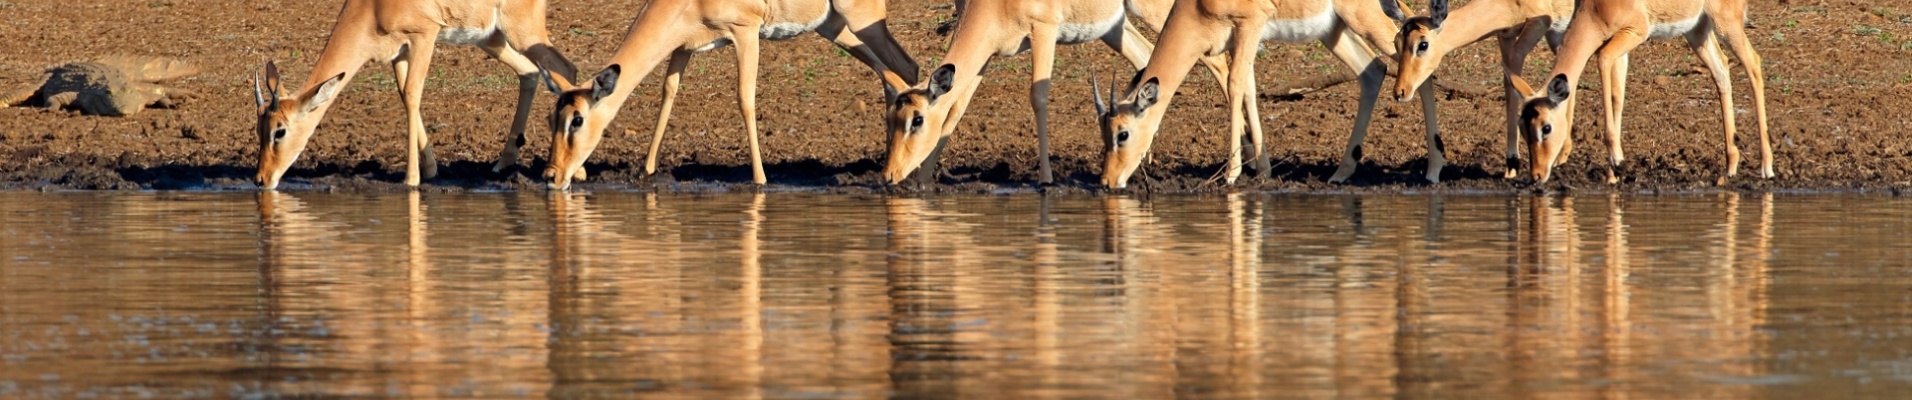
(405, 33)
(1611, 29)
(1002, 27)
(1198, 28)
(1518, 25)
(676, 29)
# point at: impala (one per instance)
(1614, 27)
(677, 29)
(1199, 28)
(1517, 24)
(404, 33)
(921, 118)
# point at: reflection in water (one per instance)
(574, 295)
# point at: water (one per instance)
(832, 296)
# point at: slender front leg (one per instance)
(412, 67)
(1513, 55)
(1707, 48)
(672, 78)
(1042, 42)
(1371, 72)
(747, 53)
(528, 82)
(1613, 74)
(1253, 106)
(1436, 148)
(1734, 32)
(1241, 72)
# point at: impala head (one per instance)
(914, 122)
(577, 124)
(285, 124)
(1546, 124)
(1415, 47)
(1126, 133)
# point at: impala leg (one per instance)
(1371, 71)
(1436, 148)
(1613, 75)
(1042, 42)
(1707, 48)
(860, 23)
(747, 57)
(1513, 55)
(1252, 105)
(673, 77)
(1240, 75)
(1131, 44)
(411, 68)
(1734, 32)
(528, 82)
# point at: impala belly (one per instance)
(470, 36)
(1672, 29)
(1300, 30)
(1074, 32)
(786, 30)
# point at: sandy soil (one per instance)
(1839, 84)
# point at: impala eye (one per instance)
(916, 122)
(278, 134)
(1122, 136)
(1421, 48)
(1546, 130)
(577, 122)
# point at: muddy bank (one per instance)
(1839, 91)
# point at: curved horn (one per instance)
(1095, 91)
(258, 88)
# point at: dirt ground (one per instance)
(1839, 95)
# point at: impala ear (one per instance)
(556, 84)
(1393, 9)
(1559, 89)
(1146, 93)
(269, 79)
(1437, 12)
(942, 81)
(1521, 87)
(605, 82)
(324, 93)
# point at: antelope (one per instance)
(404, 33)
(1199, 28)
(1518, 25)
(921, 118)
(1612, 28)
(677, 29)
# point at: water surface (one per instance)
(832, 296)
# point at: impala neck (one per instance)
(652, 38)
(352, 44)
(1175, 54)
(970, 51)
(1475, 21)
